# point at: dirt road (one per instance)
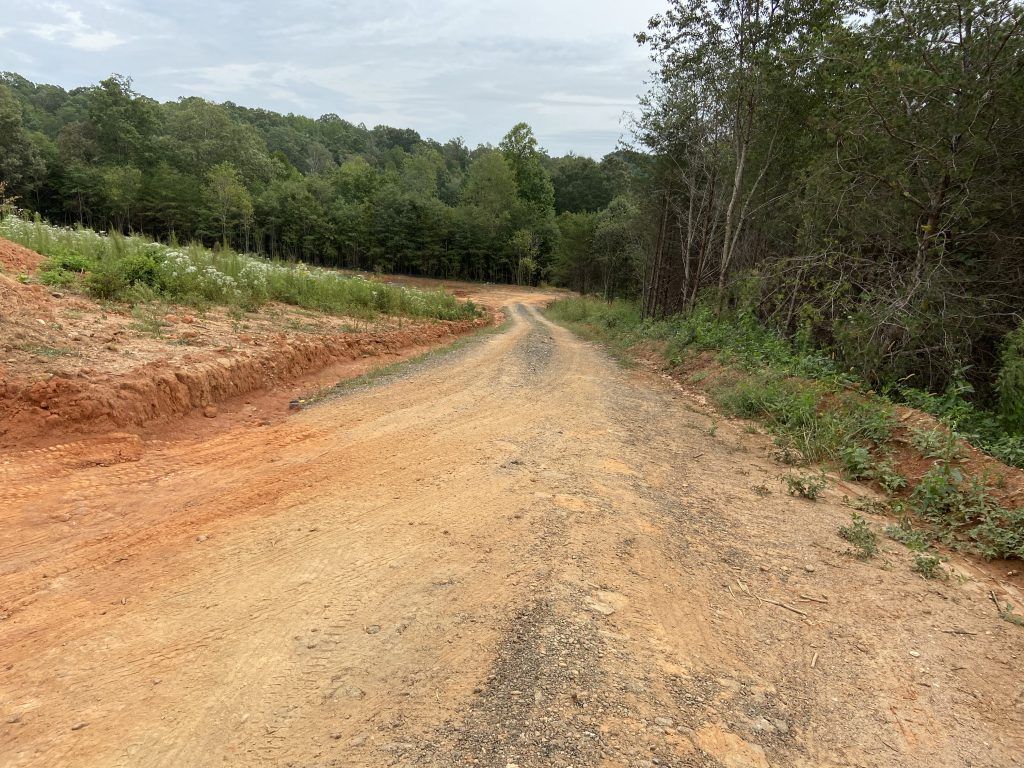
(518, 554)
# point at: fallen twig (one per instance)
(768, 600)
(814, 599)
(814, 660)
(958, 632)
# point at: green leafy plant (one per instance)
(885, 474)
(807, 486)
(859, 533)
(856, 462)
(905, 533)
(929, 566)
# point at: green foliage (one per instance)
(885, 474)
(856, 462)
(133, 268)
(1010, 381)
(1006, 613)
(929, 566)
(859, 533)
(807, 486)
(956, 504)
(906, 534)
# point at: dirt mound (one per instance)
(87, 403)
(18, 259)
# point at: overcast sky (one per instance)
(470, 68)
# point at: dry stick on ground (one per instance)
(768, 600)
(814, 599)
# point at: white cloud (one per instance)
(71, 30)
(446, 68)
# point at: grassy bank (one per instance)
(818, 413)
(136, 269)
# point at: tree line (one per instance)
(321, 190)
(848, 173)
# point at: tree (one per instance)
(519, 146)
(229, 201)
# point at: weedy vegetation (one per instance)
(860, 535)
(818, 413)
(115, 267)
(806, 486)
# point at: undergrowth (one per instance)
(137, 270)
(819, 413)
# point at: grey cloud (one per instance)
(448, 68)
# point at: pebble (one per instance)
(78, 726)
(915, 654)
(373, 629)
(202, 537)
(664, 722)
(210, 411)
(809, 568)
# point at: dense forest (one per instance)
(848, 174)
(321, 190)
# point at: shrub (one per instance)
(856, 462)
(806, 486)
(1010, 381)
(859, 533)
(929, 566)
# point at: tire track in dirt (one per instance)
(516, 554)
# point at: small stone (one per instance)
(373, 629)
(809, 568)
(202, 537)
(915, 654)
(781, 726)
(357, 741)
(57, 294)
(664, 722)
(78, 726)
(210, 411)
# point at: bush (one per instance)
(859, 533)
(806, 486)
(1010, 381)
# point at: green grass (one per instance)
(819, 413)
(137, 270)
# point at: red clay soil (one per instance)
(70, 367)
(17, 259)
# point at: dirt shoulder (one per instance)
(71, 367)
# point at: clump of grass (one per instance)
(859, 533)
(807, 486)
(114, 267)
